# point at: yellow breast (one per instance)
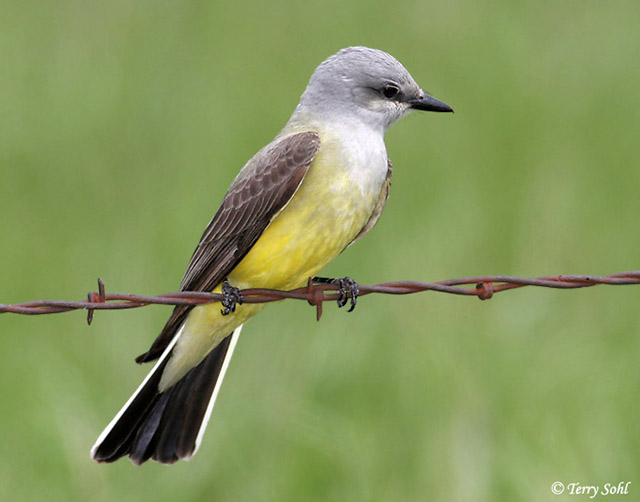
(322, 218)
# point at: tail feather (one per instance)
(167, 426)
(164, 450)
(140, 451)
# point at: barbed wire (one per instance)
(482, 287)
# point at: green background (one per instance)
(122, 125)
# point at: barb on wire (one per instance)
(483, 287)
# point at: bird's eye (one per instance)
(390, 91)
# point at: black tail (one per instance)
(166, 426)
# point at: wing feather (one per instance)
(263, 187)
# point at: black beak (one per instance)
(429, 104)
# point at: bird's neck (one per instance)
(305, 119)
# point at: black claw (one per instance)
(232, 297)
(354, 292)
(348, 292)
(342, 292)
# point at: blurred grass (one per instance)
(123, 124)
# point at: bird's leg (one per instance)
(232, 297)
(348, 292)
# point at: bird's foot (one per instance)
(348, 291)
(232, 297)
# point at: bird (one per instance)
(318, 187)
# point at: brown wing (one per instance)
(382, 201)
(263, 187)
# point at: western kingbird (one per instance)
(320, 185)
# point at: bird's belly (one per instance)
(323, 217)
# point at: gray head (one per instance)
(365, 84)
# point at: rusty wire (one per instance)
(315, 294)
